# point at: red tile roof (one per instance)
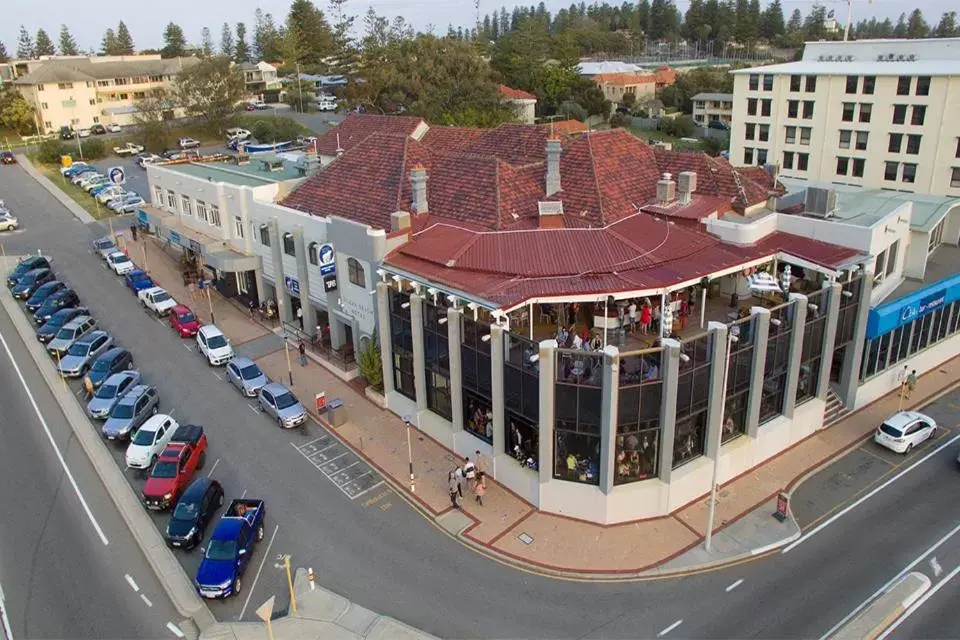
(515, 94)
(567, 127)
(355, 128)
(451, 138)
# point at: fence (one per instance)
(342, 358)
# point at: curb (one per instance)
(54, 190)
(168, 570)
(860, 627)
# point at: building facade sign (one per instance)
(292, 285)
(887, 317)
(327, 260)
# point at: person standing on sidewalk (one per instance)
(253, 308)
(481, 462)
(454, 487)
(469, 471)
(480, 488)
(458, 478)
(911, 382)
(302, 348)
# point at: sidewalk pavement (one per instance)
(321, 615)
(563, 546)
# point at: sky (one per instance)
(88, 19)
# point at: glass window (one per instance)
(811, 352)
(919, 115)
(638, 417)
(843, 165)
(288, 247)
(172, 200)
(521, 390)
(903, 86)
(693, 392)
(862, 138)
(892, 257)
(793, 108)
(803, 161)
(264, 235)
(476, 374)
(788, 159)
(849, 302)
(845, 137)
(768, 83)
(761, 156)
(478, 416)
(866, 110)
(238, 226)
(201, 210)
(738, 379)
(754, 82)
(895, 143)
(807, 109)
(848, 109)
(356, 273)
(751, 106)
(899, 113)
(764, 131)
(215, 215)
(790, 135)
(748, 155)
(913, 144)
(436, 355)
(852, 82)
(577, 444)
(936, 236)
(869, 84)
(777, 362)
(909, 172)
(890, 170)
(923, 85)
(811, 83)
(185, 202)
(312, 254)
(766, 107)
(751, 130)
(955, 177)
(401, 330)
(858, 166)
(795, 83)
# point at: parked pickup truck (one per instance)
(230, 548)
(128, 149)
(186, 452)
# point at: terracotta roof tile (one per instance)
(355, 128)
(567, 127)
(515, 94)
(451, 138)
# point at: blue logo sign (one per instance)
(142, 216)
(327, 260)
(174, 237)
(117, 175)
(292, 285)
(889, 316)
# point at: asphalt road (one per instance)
(391, 560)
(60, 578)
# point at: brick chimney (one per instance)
(666, 190)
(553, 166)
(686, 185)
(418, 183)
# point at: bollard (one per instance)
(310, 577)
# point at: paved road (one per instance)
(60, 578)
(389, 559)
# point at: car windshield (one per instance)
(28, 279)
(55, 321)
(221, 550)
(250, 372)
(78, 349)
(185, 511)
(65, 334)
(105, 244)
(285, 400)
(101, 365)
(144, 438)
(106, 392)
(185, 318)
(122, 411)
(891, 431)
(118, 259)
(161, 297)
(164, 470)
(215, 342)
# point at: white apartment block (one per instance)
(872, 113)
(81, 92)
(709, 107)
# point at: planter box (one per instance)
(375, 397)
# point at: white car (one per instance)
(111, 193)
(150, 441)
(86, 178)
(113, 127)
(83, 133)
(157, 300)
(903, 431)
(128, 149)
(236, 133)
(8, 222)
(214, 346)
(188, 143)
(119, 263)
(328, 104)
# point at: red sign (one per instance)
(321, 401)
(782, 503)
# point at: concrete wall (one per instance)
(923, 362)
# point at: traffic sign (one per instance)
(117, 175)
(265, 611)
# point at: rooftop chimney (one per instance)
(686, 185)
(399, 220)
(666, 190)
(553, 166)
(418, 183)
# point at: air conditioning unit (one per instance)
(819, 202)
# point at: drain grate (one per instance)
(526, 538)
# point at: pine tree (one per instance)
(24, 44)
(174, 41)
(109, 45)
(259, 33)
(309, 38)
(694, 19)
(900, 31)
(771, 21)
(643, 16)
(206, 42)
(4, 56)
(241, 51)
(124, 40)
(226, 40)
(795, 23)
(917, 27)
(68, 46)
(43, 45)
(947, 27)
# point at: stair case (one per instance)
(835, 410)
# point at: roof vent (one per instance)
(551, 214)
(666, 190)
(819, 202)
(686, 185)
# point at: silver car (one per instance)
(68, 333)
(279, 403)
(110, 392)
(82, 353)
(245, 375)
(130, 412)
(103, 247)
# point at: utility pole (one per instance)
(716, 457)
(413, 484)
(210, 301)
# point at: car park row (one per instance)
(101, 187)
(169, 454)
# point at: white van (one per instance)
(326, 103)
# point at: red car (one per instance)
(183, 321)
(174, 469)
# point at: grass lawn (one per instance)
(658, 136)
(78, 195)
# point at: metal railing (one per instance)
(342, 358)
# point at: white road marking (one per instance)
(823, 525)
(219, 377)
(670, 628)
(187, 347)
(734, 585)
(907, 569)
(4, 620)
(130, 581)
(210, 473)
(160, 322)
(146, 600)
(253, 408)
(56, 449)
(919, 603)
(935, 566)
(243, 495)
(266, 554)
(175, 630)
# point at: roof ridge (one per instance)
(403, 172)
(596, 182)
(496, 182)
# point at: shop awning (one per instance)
(231, 261)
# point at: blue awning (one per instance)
(889, 316)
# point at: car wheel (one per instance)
(260, 532)
(280, 422)
(237, 585)
(153, 460)
(909, 449)
(933, 433)
(153, 411)
(202, 461)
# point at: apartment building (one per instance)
(81, 92)
(871, 113)
(710, 107)
(259, 76)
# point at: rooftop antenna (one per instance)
(476, 6)
(339, 148)
(846, 27)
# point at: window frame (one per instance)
(356, 273)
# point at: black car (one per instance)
(719, 125)
(27, 264)
(193, 512)
(50, 328)
(29, 282)
(63, 299)
(113, 360)
(98, 130)
(66, 133)
(43, 292)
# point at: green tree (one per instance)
(900, 30)
(25, 49)
(206, 42)
(4, 56)
(713, 145)
(154, 115)
(226, 40)
(174, 42)
(664, 19)
(695, 19)
(68, 45)
(109, 46)
(917, 27)
(947, 27)
(343, 42)
(43, 45)
(209, 91)
(16, 113)
(370, 363)
(570, 110)
(813, 25)
(267, 43)
(679, 127)
(124, 40)
(309, 39)
(264, 131)
(771, 21)
(241, 52)
(796, 21)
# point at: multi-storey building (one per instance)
(710, 107)
(81, 92)
(870, 113)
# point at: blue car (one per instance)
(137, 280)
(73, 172)
(43, 292)
(228, 552)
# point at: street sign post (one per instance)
(783, 501)
(265, 613)
(321, 401)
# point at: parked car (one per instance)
(63, 299)
(151, 439)
(719, 125)
(109, 194)
(85, 178)
(157, 300)
(133, 409)
(73, 167)
(193, 512)
(98, 130)
(236, 133)
(144, 159)
(120, 264)
(188, 143)
(230, 549)
(7, 157)
(73, 330)
(52, 326)
(111, 361)
(903, 431)
(25, 265)
(110, 392)
(102, 187)
(326, 104)
(83, 132)
(246, 376)
(103, 247)
(128, 149)
(113, 127)
(175, 467)
(280, 404)
(29, 282)
(66, 133)
(93, 183)
(137, 280)
(128, 204)
(183, 321)
(43, 292)
(214, 346)
(82, 353)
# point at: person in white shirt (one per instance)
(469, 471)
(632, 312)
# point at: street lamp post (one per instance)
(716, 452)
(210, 301)
(413, 485)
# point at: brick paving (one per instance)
(558, 543)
